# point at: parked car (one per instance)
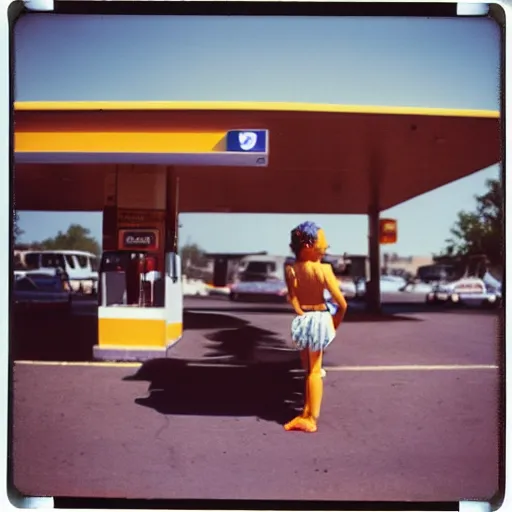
(264, 291)
(388, 284)
(468, 291)
(348, 287)
(417, 287)
(42, 292)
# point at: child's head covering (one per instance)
(305, 235)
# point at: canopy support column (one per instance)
(375, 176)
(373, 298)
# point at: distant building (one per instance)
(406, 264)
(358, 264)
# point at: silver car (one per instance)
(466, 291)
(264, 291)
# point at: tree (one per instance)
(76, 238)
(194, 262)
(481, 231)
(192, 256)
(17, 232)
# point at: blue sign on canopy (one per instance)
(247, 141)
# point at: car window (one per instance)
(94, 263)
(52, 260)
(32, 260)
(260, 267)
(18, 263)
(82, 261)
(257, 271)
(256, 267)
(70, 260)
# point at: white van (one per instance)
(80, 266)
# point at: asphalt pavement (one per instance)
(410, 410)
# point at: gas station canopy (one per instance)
(315, 158)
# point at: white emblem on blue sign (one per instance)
(247, 140)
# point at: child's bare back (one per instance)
(309, 279)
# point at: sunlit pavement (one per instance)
(409, 413)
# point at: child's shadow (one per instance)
(269, 391)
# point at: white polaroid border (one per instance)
(467, 8)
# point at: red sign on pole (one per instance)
(387, 231)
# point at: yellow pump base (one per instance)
(133, 334)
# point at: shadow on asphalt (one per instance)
(193, 320)
(246, 343)
(268, 391)
(52, 337)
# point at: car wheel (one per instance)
(491, 304)
(454, 301)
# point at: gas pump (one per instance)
(140, 297)
(130, 279)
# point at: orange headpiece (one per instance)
(308, 241)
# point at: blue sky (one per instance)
(448, 63)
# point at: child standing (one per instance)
(314, 328)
